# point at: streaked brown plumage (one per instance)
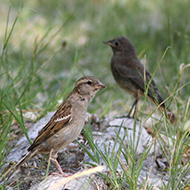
(131, 75)
(65, 125)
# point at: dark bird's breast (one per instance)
(124, 76)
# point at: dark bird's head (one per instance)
(88, 86)
(121, 44)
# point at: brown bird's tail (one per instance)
(13, 169)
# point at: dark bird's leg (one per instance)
(134, 105)
(129, 114)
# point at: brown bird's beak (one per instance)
(108, 43)
(100, 85)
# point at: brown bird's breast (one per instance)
(63, 137)
(69, 132)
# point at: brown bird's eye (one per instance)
(89, 82)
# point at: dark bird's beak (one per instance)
(108, 43)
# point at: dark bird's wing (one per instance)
(58, 121)
(135, 75)
(135, 78)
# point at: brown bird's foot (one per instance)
(53, 157)
(59, 168)
(62, 174)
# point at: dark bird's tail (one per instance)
(13, 169)
(160, 103)
(156, 97)
(169, 115)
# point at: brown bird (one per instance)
(65, 125)
(131, 75)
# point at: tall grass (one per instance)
(22, 81)
(47, 46)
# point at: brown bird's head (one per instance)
(88, 86)
(121, 44)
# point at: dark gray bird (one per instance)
(131, 75)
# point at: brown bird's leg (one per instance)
(58, 166)
(54, 159)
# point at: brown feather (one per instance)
(54, 126)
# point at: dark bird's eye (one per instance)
(89, 82)
(116, 43)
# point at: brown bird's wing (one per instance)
(58, 121)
